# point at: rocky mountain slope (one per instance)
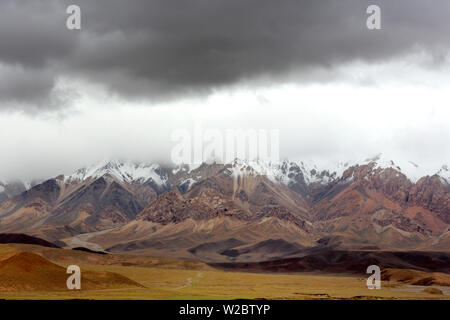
(120, 206)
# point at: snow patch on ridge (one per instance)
(287, 172)
(410, 169)
(123, 171)
(244, 167)
(187, 168)
(324, 173)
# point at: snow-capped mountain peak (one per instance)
(288, 172)
(410, 169)
(123, 171)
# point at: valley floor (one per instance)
(178, 280)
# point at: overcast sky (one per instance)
(138, 70)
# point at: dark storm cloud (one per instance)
(159, 49)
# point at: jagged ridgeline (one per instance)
(237, 211)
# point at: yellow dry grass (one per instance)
(181, 282)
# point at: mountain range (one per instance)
(240, 211)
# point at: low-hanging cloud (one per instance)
(319, 123)
(164, 49)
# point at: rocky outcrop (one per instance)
(431, 193)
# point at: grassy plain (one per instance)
(192, 284)
(171, 279)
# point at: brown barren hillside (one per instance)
(26, 271)
(415, 277)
